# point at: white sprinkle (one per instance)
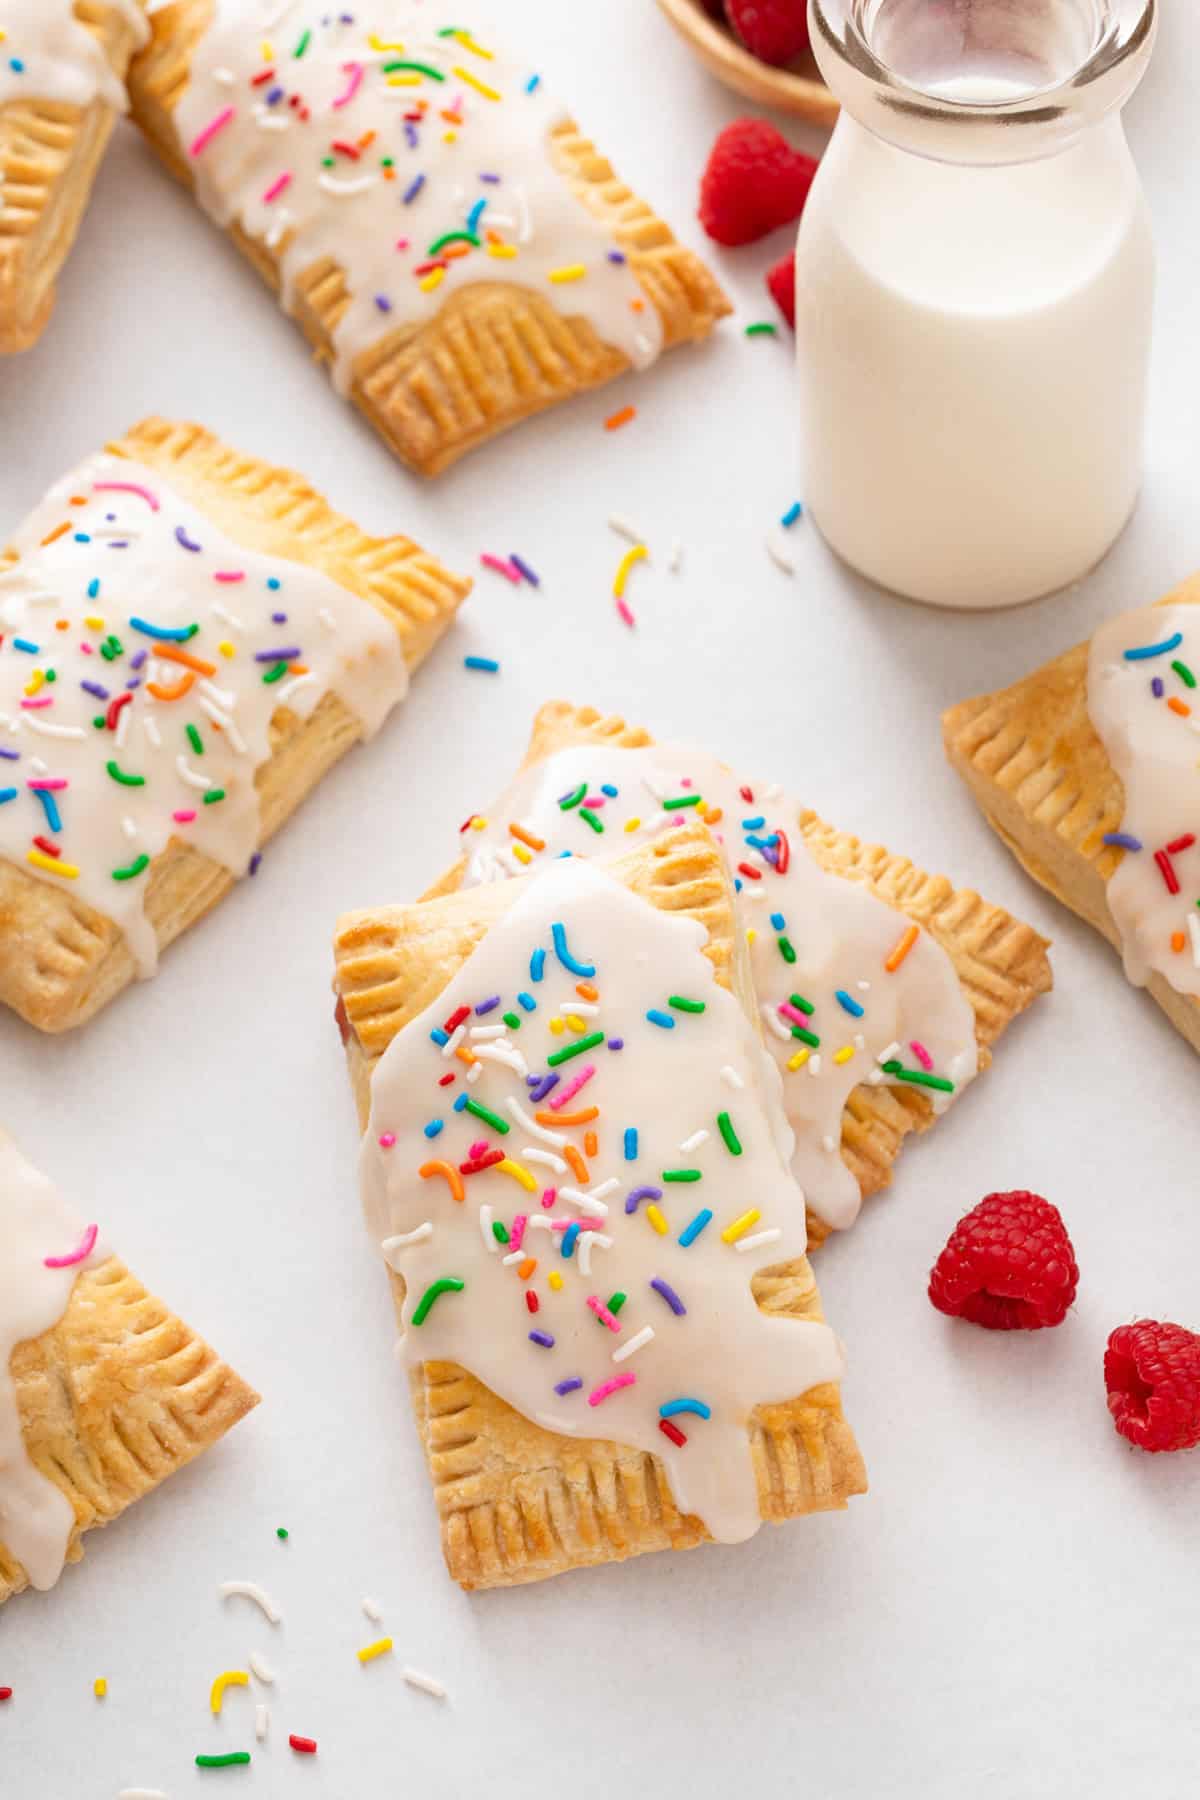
(775, 1023)
(263, 1670)
(675, 560)
(473, 1073)
(262, 1720)
(192, 776)
(828, 1145)
(864, 987)
(741, 1245)
(779, 555)
(488, 1032)
(694, 1142)
(731, 1078)
(860, 1042)
(546, 1159)
(129, 826)
(122, 727)
(604, 1189)
(538, 1222)
(38, 766)
(327, 619)
(507, 1054)
(584, 1009)
(454, 1040)
(225, 77)
(372, 1609)
(773, 792)
(635, 1343)
(595, 1209)
(589, 1241)
(270, 121)
(54, 731)
(150, 727)
(893, 1049)
(250, 1590)
(814, 1065)
(392, 1246)
(289, 688)
(222, 612)
(876, 1077)
(225, 723)
(624, 529)
(345, 189)
(222, 696)
(486, 1232)
(416, 1678)
(514, 1256)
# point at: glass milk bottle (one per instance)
(974, 287)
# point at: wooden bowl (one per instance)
(797, 88)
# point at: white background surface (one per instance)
(1013, 1608)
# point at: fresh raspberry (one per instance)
(1152, 1373)
(1008, 1265)
(754, 182)
(781, 279)
(773, 30)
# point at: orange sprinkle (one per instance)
(525, 1269)
(366, 140)
(453, 1178)
(465, 1055)
(578, 1167)
(902, 949)
(1178, 941)
(714, 815)
(637, 306)
(591, 1144)
(297, 668)
(56, 533)
(172, 653)
(586, 991)
(181, 687)
(579, 1118)
(62, 624)
(389, 174)
(1177, 706)
(77, 500)
(615, 420)
(452, 251)
(527, 837)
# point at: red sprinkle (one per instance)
(114, 708)
(747, 795)
(482, 1162)
(1181, 843)
(531, 1300)
(306, 1746)
(672, 1431)
(46, 845)
(1168, 873)
(783, 853)
(5, 1693)
(455, 1020)
(445, 1080)
(267, 75)
(752, 874)
(351, 150)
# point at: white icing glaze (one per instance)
(1150, 738)
(35, 1223)
(157, 559)
(274, 167)
(665, 1084)
(842, 935)
(46, 54)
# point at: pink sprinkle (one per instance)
(610, 1387)
(403, 243)
(276, 188)
(87, 649)
(386, 1139)
(606, 1318)
(921, 1053)
(791, 1012)
(517, 1231)
(355, 71)
(76, 1256)
(203, 138)
(35, 705)
(501, 567)
(478, 1148)
(229, 575)
(625, 613)
(583, 1224)
(549, 1196)
(48, 784)
(127, 487)
(594, 800)
(685, 781)
(185, 817)
(572, 1088)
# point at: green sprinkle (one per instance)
(918, 1077)
(585, 812)
(681, 1174)
(327, 162)
(571, 800)
(452, 237)
(801, 1004)
(229, 1761)
(99, 722)
(52, 675)
(195, 740)
(118, 774)
(449, 1284)
(213, 795)
(732, 1141)
(806, 1037)
(282, 1532)
(512, 1021)
(576, 1049)
(387, 162)
(302, 46)
(763, 329)
(785, 950)
(274, 674)
(682, 1005)
(615, 1302)
(1181, 669)
(394, 68)
(681, 800)
(489, 1117)
(135, 868)
(499, 1231)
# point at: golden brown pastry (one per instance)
(879, 1000)
(103, 1391)
(444, 236)
(62, 64)
(581, 1190)
(191, 639)
(1088, 770)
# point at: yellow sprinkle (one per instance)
(450, 137)
(468, 43)
(741, 1226)
(632, 824)
(380, 1647)
(231, 1678)
(225, 647)
(505, 252)
(268, 50)
(844, 1054)
(36, 680)
(638, 553)
(52, 865)
(576, 1023)
(405, 80)
(798, 1061)
(556, 1026)
(521, 853)
(377, 43)
(555, 1280)
(481, 87)
(751, 934)
(657, 1220)
(518, 1172)
(570, 272)
(99, 1687)
(93, 621)
(478, 823)
(434, 279)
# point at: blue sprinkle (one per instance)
(610, 790)
(527, 1002)
(792, 514)
(93, 587)
(584, 970)
(488, 1005)
(779, 922)
(7, 794)
(533, 82)
(848, 1004)
(29, 648)
(434, 1127)
(537, 964)
(543, 1338)
(1145, 651)
(273, 583)
(16, 65)
(460, 1103)
(81, 537)
(476, 210)
(168, 634)
(755, 824)
(737, 884)
(50, 807)
(661, 1018)
(439, 1036)
(568, 1238)
(691, 1232)
(568, 1386)
(488, 664)
(684, 1405)
(631, 1143)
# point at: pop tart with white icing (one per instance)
(449, 243)
(62, 64)
(104, 1393)
(189, 640)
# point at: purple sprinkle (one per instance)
(289, 653)
(1156, 687)
(274, 96)
(135, 662)
(540, 1086)
(523, 568)
(94, 688)
(1122, 840)
(487, 1006)
(383, 303)
(255, 863)
(617, 256)
(118, 543)
(10, 755)
(642, 1193)
(494, 179)
(279, 618)
(410, 132)
(414, 187)
(543, 1338)
(669, 1295)
(182, 538)
(135, 683)
(568, 1387)
(616, 1043)
(109, 518)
